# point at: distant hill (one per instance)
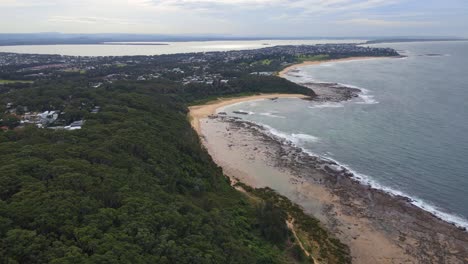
(62, 38)
(55, 38)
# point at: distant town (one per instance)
(210, 70)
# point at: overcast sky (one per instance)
(239, 17)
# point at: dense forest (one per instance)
(99, 163)
(133, 186)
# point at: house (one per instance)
(75, 125)
(48, 117)
(96, 85)
(96, 110)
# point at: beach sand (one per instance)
(250, 159)
(306, 63)
(378, 227)
(203, 111)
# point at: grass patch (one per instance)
(265, 62)
(303, 58)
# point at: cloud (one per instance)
(90, 20)
(25, 3)
(300, 6)
(238, 17)
(383, 23)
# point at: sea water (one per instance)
(407, 133)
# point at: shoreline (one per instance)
(353, 92)
(198, 112)
(379, 226)
(285, 71)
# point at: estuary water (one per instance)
(146, 48)
(406, 134)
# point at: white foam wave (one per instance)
(451, 218)
(366, 97)
(248, 112)
(295, 140)
(304, 137)
(426, 206)
(327, 105)
(352, 86)
(271, 115)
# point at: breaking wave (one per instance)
(366, 97)
(271, 115)
(297, 140)
(327, 105)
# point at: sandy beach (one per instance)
(377, 227)
(199, 112)
(306, 63)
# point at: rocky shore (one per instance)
(332, 92)
(378, 227)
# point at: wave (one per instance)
(290, 137)
(248, 112)
(304, 137)
(327, 105)
(366, 97)
(365, 94)
(271, 115)
(420, 203)
(296, 140)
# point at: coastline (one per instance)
(283, 72)
(199, 112)
(377, 226)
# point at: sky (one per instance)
(294, 18)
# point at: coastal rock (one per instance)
(333, 168)
(383, 213)
(332, 92)
(240, 112)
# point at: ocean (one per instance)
(407, 133)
